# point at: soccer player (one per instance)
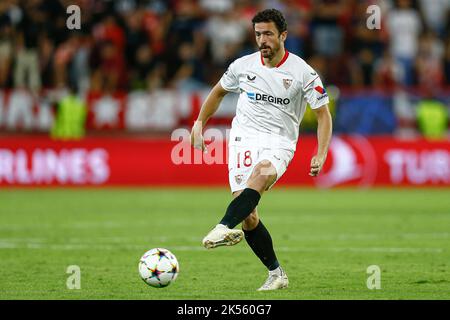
(274, 87)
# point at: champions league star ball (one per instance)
(158, 267)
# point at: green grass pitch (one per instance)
(325, 239)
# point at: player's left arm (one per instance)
(324, 132)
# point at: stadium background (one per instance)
(109, 105)
(141, 69)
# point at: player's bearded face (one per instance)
(268, 39)
(269, 50)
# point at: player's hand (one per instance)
(316, 165)
(197, 140)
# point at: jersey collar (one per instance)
(286, 55)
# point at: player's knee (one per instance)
(263, 174)
(264, 170)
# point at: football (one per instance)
(158, 267)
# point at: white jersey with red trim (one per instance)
(271, 101)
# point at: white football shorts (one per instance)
(242, 159)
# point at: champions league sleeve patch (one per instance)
(320, 90)
(316, 95)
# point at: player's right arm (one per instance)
(209, 107)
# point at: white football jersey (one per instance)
(272, 101)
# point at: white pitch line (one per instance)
(87, 246)
(296, 237)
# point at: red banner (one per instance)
(353, 160)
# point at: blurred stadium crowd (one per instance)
(187, 44)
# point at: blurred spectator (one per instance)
(147, 72)
(298, 18)
(344, 70)
(435, 14)
(404, 28)
(156, 24)
(70, 117)
(47, 54)
(108, 30)
(186, 24)
(79, 72)
(63, 56)
(388, 73)
(367, 44)
(108, 68)
(429, 66)
(365, 67)
(247, 10)
(136, 36)
(6, 43)
(405, 114)
(27, 58)
(432, 118)
(447, 60)
(226, 32)
(327, 33)
(217, 6)
(189, 71)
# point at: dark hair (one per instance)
(271, 15)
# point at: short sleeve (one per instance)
(230, 79)
(313, 89)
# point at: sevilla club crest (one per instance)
(287, 83)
